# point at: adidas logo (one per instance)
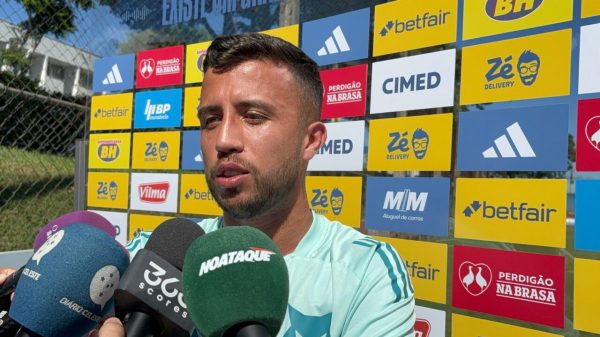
(503, 145)
(113, 76)
(335, 43)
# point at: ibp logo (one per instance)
(399, 145)
(501, 70)
(107, 190)
(155, 193)
(155, 151)
(157, 109)
(509, 10)
(322, 201)
(108, 150)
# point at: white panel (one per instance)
(170, 202)
(343, 150)
(589, 59)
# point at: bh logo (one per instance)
(107, 190)
(320, 200)
(399, 143)
(501, 69)
(153, 151)
(475, 277)
(508, 10)
(108, 151)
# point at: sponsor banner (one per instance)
(144, 223)
(404, 25)
(345, 92)
(512, 140)
(465, 326)
(157, 109)
(119, 221)
(191, 157)
(109, 150)
(154, 192)
(587, 214)
(336, 198)
(107, 190)
(512, 210)
(343, 150)
(113, 73)
(587, 154)
(524, 286)
(195, 196)
(590, 8)
(491, 17)
(338, 38)
(194, 56)
(156, 150)
(159, 67)
(111, 112)
(586, 295)
(589, 51)
(533, 66)
(287, 33)
(409, 205)
(427, 266)
(430, 322)
(415, 82)
(418, 143)
(191, 101)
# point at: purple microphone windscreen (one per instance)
(68, 284)
(84, 217)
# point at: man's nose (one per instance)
(229, 139)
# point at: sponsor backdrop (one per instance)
(458, 133)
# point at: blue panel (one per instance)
(114, 73)
(587, 215)
(191, 156)
(157, 109)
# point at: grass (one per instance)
(34, 189)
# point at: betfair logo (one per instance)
(508, 10)
(111, 112)
(108, 150)
(155, 151)
(198, 195)
(107, 190)
(321, 201)
(421, 21)
(501, 72)
(399, 143)
(515, 211)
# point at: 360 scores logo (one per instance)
(166, 291)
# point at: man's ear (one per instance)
(315, 137)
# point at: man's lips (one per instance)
(230, 175)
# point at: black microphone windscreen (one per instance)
(171, 239)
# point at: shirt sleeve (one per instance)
(138, 242)
(384, 304)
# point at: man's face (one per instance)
(528, 71)
(420, 147)
(252, 137)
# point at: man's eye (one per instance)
(210, 120)
(254, 117)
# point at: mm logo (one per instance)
(107, 190)
(508, 10)
(321, 201)
(501, 71)
(108, 150)
(514, 212)
(405, 201)
(154, 192)
(154, 151)
(399, 145)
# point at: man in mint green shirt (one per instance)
(260, 125)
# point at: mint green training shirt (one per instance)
(342, 283)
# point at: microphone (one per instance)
(67, 285)
(235, 282)
(149, 300)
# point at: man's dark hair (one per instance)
(227, 52)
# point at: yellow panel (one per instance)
(194, 56)
(427, 266)
(491, 17)
(287, 33)
(590, 8)
(407, 24)
(191, 101)
(586, 295)
(143, 222)
(491, 72)
(111, 112)
(108, 190)
(156, 150)
(464, 326)
(109, 150)
(512, 210)
(392, 143)
(195, 198)
(336, 198)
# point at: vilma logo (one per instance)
(475, 278)
(154, 192)
(399, 143)
(147, 67)
(508, 10)
(422, 21)
(422, 327)
(336, 43)
(504, 147)
(108, 150)
(514, 212)
(592, 132)
(113, 76)
(154, 151)
(501, 71)
(321, 203)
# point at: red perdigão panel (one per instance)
(588, 135)
(345, 92)
(159, 67)
(523, 286)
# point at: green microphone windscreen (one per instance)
(234, 276)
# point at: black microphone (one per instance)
(149, 299)
(8, 326)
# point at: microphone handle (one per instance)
(139, 324)
(24, 332)
(249, 329)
